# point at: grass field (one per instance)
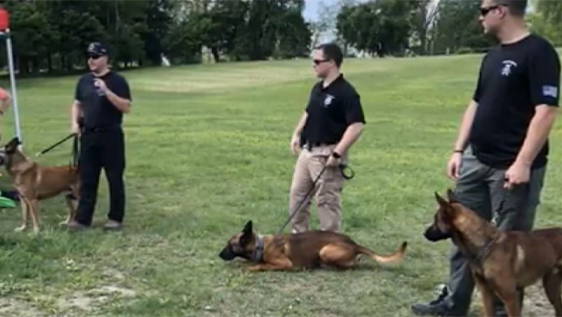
(207, 150)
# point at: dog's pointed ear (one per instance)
(444, 205)
(247, 234)
(13, 144)
(248, 228)
(440, 200)
(452, 196)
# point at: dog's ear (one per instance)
(452, 196)
(248, 228)
(443, 204)
(12, 145)
(247, 234)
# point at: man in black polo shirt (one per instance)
(101, 98)
(331, 124)
(503, 140)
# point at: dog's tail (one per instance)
(396, 257)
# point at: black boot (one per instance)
(438, 307)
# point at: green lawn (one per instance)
(207, 150)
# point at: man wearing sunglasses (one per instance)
(503, 140)
(101, 98)
(330, 125)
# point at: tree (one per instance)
(457, 27)
(381, 27)
(547, 20)
(423, 19)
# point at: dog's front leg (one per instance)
(72, 203)
(277, 265)
(487, 295)
(33, 209)
(24, 211)
(508, 293)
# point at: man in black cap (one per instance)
(101, 98)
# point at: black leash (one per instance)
(346, 176)
(56, 144)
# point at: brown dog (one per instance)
(302, 250)
(34, 183)
(502, 263)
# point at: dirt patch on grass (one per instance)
(94, 298)
(536, 303)
(10, 307)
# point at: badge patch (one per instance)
(507, 67)
(328, 100)
(550, 91)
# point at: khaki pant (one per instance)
(327, 190)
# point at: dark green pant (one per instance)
(480, 188)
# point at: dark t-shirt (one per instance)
(330, 111)
(98, 111)
(514, 79)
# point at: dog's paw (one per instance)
(254, 268)
(20, 228)
(36, 230)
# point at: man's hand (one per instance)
(75, 128)
(295, 145)
(333, 161)
(100, 84)
(454, 166)
(517, 174)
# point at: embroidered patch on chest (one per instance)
(328, 100)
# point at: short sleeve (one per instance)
(544, 75)
(121, 88)
(353, 109)
(478, 91)
(78, 91)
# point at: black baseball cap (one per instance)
(97, 48)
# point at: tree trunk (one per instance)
(50, 62)
(215, 52)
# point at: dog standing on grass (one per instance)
(502, 262)
(34, 183)
(300, 250)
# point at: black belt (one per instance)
(102, 128)
(310, 145)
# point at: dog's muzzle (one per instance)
(227, 253)
(433, 234)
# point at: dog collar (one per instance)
(486, 249)
(257, 256)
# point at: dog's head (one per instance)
(443, 221)
(8, 150)
(240, 245)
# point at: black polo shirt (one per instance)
(98, 111)
(330, 111)
(514, 79)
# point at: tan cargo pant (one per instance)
(327, 190)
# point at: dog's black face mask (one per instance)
(433, 234)
(441, 227)
(237, 244)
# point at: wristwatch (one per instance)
(336, 155)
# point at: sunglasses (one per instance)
(485, 11)
(319, 61)
(94, 56)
